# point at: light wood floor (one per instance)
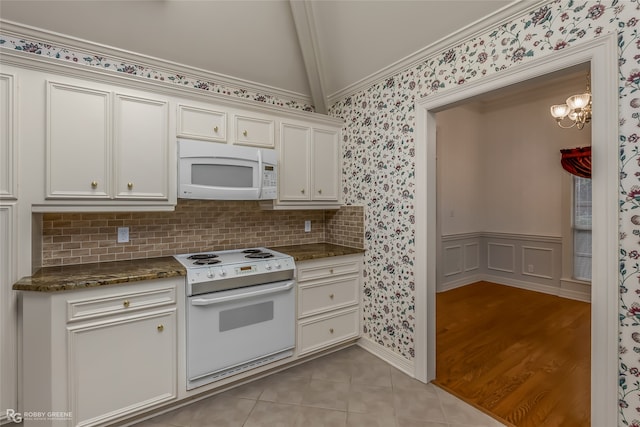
(522, 356)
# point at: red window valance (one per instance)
(577, 161)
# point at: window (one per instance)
(581, 225)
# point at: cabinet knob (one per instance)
(320, 191)
(331, 271)
(126, 303)
(130, 185)
(244, 133)
(302, 191)
(160, 328)
(331, 296)
(331, 330)
(215, 129)
(94, 184)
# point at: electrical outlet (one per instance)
(530, 268)
(307, 226)
(123, 234)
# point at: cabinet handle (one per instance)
(130, 185)
(331, 330)
(244, 133)
(331, 296)
(126, 303)
(160, 328)
(94, 184)
(215, 129)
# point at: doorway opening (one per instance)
(601, 54)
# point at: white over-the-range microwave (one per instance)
(215, 171)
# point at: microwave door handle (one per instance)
(260, 173)
(211, 301)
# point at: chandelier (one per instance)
(576, 112)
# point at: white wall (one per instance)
(460, 170)
(499, 165)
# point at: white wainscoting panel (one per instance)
(501, 257)
(530, 262)
(471, 256)
(453, 260)
(537, 262)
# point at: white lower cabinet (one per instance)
(328, 302)
(138, 373)
(100, 355)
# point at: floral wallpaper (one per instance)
(8, 41)
(378, 149)
(379, 164)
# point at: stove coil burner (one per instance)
(259, 255)
(202, 256)
(251, 251)
(209, 261)
(204, 259)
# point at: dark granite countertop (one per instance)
(80, 276)
(72, 277)
(316, 250)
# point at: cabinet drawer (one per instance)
(100, 306)
(328, 295)
(201, 123)
(254, 131)
(324, 331)
(317, 270)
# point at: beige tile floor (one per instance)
(349, 388)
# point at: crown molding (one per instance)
(476, 28)
(73, 43)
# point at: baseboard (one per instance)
(537, 287)
(464, 281)
(389, 356)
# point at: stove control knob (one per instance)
(278, 266)
(210, 274)
(223, 273)
(267, 266)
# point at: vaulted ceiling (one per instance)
(316, 50)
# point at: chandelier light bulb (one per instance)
(579, 101)
(559, 111)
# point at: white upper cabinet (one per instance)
(254, 131)
(295, 147)
(141, 148)
(326, 165)
(7, 138)
(78, 142)
(310, 162)
(202, 123)
(108, 146)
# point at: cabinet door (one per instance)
(254, 131)
(7, 140)
(294, 168)
(200, 123)
(121, 366)
(141, 148)
(326, 157)
(78, 142)
(8, 312)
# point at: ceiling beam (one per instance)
(302, 13)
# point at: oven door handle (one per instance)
(210, 301)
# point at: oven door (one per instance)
(232, 331)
